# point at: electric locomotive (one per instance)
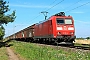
(58, 29)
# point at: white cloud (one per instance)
(78, 12)
(29, 6)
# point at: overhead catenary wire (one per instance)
(55, 5)
(51, 3)
(78, 7)
(49, 8)
(40, 14)
(66, 11)
(45, 12)
(36, 16)
(72, 4)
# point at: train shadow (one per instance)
(5, 44)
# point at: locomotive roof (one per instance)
(57, 14)
(60, 14)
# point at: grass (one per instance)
(3, 54)
(30, 51)
(3, 51)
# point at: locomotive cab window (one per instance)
(68, 21)
(60, 21)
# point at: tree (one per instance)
(2, 30)
(87, 37)
(5, 18)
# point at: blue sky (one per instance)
(28, 10)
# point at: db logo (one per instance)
(65, 28)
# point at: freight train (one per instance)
(56, 29)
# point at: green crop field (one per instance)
(31, 51)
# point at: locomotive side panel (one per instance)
(43, 30)
(47, 29)
(50, 28)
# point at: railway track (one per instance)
(82, 47)
(67, 47)
(77, 47)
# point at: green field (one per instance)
(3, 51)
(30, 51)
(3, 54)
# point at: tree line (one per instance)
(81, 38)
(4, 17)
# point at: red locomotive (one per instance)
(58, 28)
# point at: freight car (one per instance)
(26, 34)
(56, 29)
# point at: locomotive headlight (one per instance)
(70, 28)
(71, 32)
(59, 28)
(59, 33)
